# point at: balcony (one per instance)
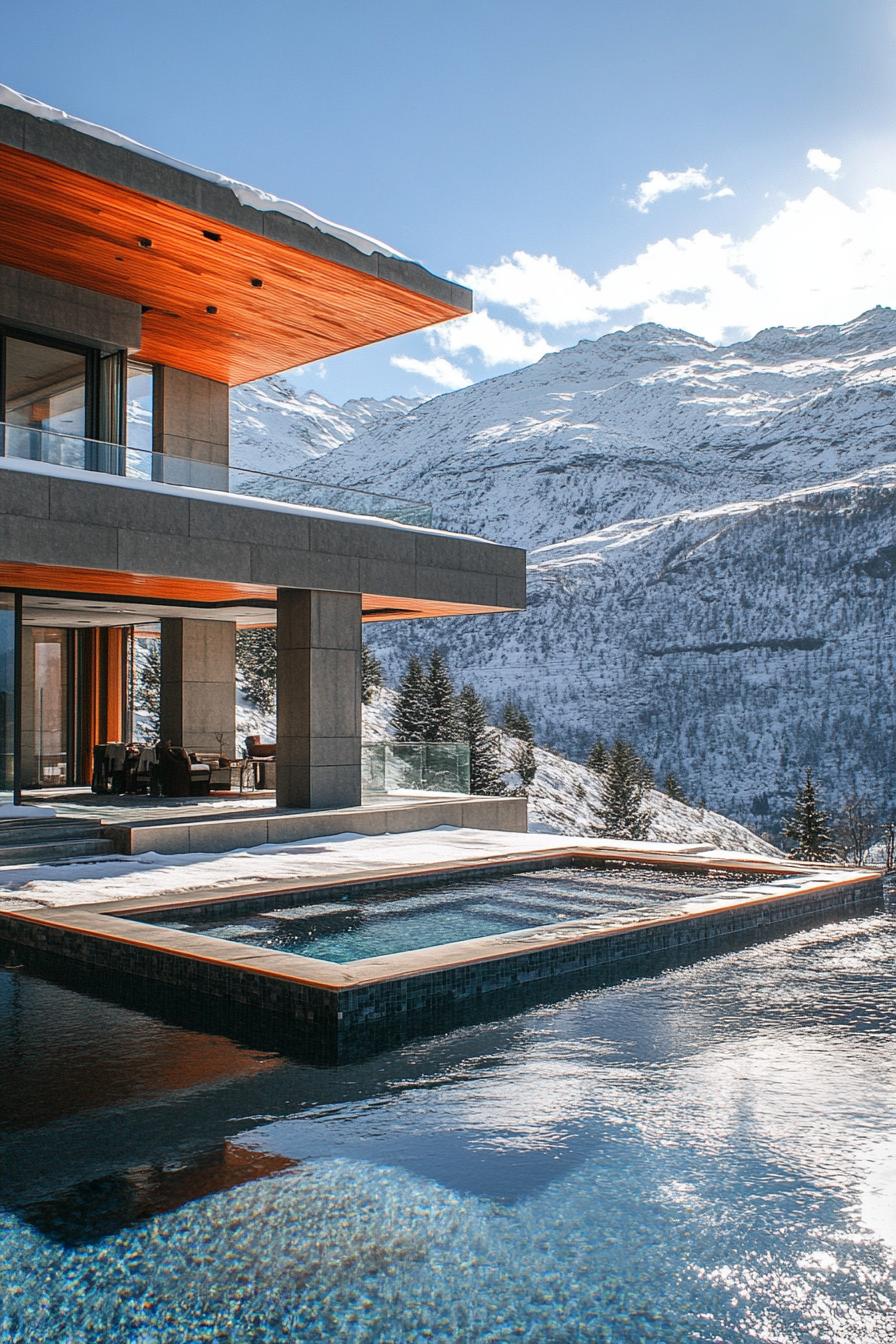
(414, 767)
(77, 453)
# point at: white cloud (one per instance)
(495, 342)
(817, 259)
(439, 370)
(539, 287)
(658, 183)
(718, 195)
(819, 162)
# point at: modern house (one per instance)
(134, 293)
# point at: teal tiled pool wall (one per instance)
(339, 1020)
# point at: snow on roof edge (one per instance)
(247, 195)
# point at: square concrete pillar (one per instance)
(198, 690)
(318, 698)
(190, 416)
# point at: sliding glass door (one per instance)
(45, 707)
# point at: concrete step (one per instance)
(33, 831)
(54, 851)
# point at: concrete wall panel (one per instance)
(56, 309)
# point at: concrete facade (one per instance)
(198, 690)
(50, 308)
(318, 699)
(191, 417)
(168, 544)
(47, 518)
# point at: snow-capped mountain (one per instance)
(277, 428)
(638, 424)
(713, 549)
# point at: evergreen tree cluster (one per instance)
(428, 710)
(148, 689)
(256, 660)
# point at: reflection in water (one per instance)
(705, 1155)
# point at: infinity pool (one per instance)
(707, 1155)
(379, 923)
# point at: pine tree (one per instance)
(412, 708)
(673, 788)
(256, 660)
(472, 727)
(371, 674)
(638, 763)
(516, 722)
(808, 825)
(597, 757)
(524, 763)
(622, 811)
(441, 705)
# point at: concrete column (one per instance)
(318, 698)
(190, 416)
(198, 691)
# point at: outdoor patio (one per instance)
(138, 824)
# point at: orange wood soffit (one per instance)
(69, 581)
(85, 231)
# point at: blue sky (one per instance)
(585, 165)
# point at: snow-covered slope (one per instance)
(565, 797)
(713, 550)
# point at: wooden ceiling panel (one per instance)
(68, 581)
(85, 231)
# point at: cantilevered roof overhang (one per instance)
(231, 290)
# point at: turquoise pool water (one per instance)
(708, 1155)
(345, 928)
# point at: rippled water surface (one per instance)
(706, 1155)
(360, 924)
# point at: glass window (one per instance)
(7, 694)
(139, 406)
(45, 387)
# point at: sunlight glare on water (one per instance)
(706, 1155)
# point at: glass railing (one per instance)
(414, 767)
(112, 459)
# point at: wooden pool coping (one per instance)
(117, 921)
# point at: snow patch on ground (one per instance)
(131, 876)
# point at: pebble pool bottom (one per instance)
(708, 1155)
(348, 927)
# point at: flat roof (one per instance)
(88, 206)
